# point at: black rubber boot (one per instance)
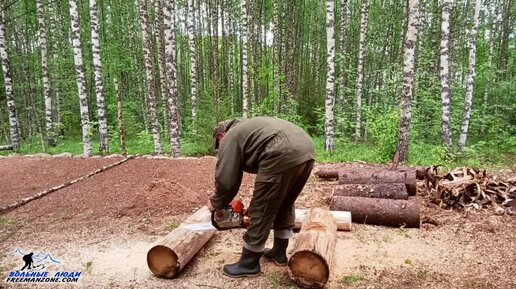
(278, 253)
(248, 265)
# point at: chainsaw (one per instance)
(233, 216)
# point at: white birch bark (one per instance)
(171, 65)
(360, 70)
(99, 85)
(470, 80)
(445, 77)
(147, 58)
(8, 83)
(193, 59)
(492, 30)
(81, 82)
(49, 131)
(245, 103)
(408, 80)
(330, 76)
(342, 46)
(158, 10)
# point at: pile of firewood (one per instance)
(465, 188)
(376, 195)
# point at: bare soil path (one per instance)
(104, 225)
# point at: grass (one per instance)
(6, 223)
(480, 154)
(172, 225)
(279, 281)
(88, 267)
(351, 279)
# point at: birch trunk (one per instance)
(408, 80)
(276, 61)
(142, 5)
(171, 65)
(81, 82)
(49, 131)
(445, 77)
(491, 39)
(360, 70)
(193, 60)
(99, 86)
(343, 28)
(245, 104)
(8, 83)
(470, 80)
(158, 10)
(330, 76)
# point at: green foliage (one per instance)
(383, 129)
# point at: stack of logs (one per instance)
(376, 196)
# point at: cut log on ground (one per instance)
(342, 218)
(379, 211)
(6, 147)
(312, 255)
(384, 191)
(334, 173)
(379, 177)
(171, 254)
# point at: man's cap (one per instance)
(222, 127)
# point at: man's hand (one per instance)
(210, 207)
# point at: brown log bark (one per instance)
(171, 254)
(384, 191)
(312, 255)
(334, 173)
(362, 176)
(379, 211)
(343, 219)
(6, 147)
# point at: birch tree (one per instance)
(330, 76)
(470, 80)
(491, 39)
(81, 82)
(147, 58)
(245, 104)
(408, 80)
(170, 61)
(360, 70)
(8, 83)
(446, 133)
(193, 59)
(99, 86)
(343, 28)
(49, 131)
(160, 46)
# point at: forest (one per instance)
(418, 81)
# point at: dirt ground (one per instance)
(104, 226)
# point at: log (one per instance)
(312, 254)
(384, 191)
(6, 147)
(343, 219)
(377, 211)
(334, 173)
(171, 254)
(378, 177)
